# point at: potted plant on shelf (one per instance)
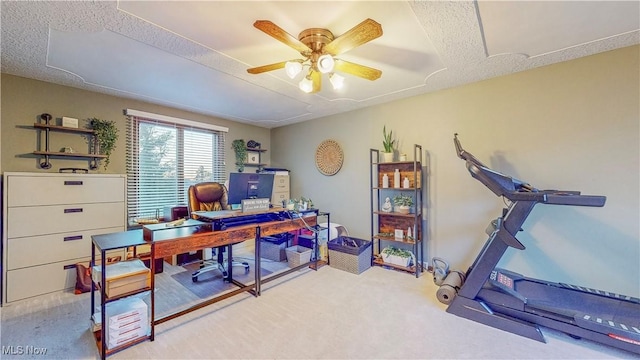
(402, 203)
(302, 204)
(396, 256)
(240, 148)
(105, 137)
(387, 143)
(305, 203)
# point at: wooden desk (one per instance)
(190, 236)
(195, 235)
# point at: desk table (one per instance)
(193, 235)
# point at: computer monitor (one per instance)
(249, 186)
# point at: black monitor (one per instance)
(249, 186)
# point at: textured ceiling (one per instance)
(194, 55)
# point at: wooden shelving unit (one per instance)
(384, 224)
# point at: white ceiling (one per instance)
(194, 55)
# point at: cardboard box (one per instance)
(127, 320)
(123, 277)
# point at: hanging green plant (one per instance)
(105, 137)
(240, 148)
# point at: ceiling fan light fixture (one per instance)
(317, 46)
(306, 84)
(325, 63)
(293, 68)
(336, 80)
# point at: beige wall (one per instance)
(571, 126)
(23, 100)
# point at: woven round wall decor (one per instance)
(329, 157)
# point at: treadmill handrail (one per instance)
(517, 190)
(555, 197)
(567, 198)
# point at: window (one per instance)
(164, 157)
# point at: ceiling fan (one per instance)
(318, 48)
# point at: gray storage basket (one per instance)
(345, 256)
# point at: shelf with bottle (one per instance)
(406, 239)
(398, 222)
(390, 226)
(399, 176)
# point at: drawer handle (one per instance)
(71, 238)
(71, 266)
(77, 210)
(73, 182)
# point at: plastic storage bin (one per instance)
(350, 254)
(273, 247)
(308, 241)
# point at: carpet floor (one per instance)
(324, 314)
(211, 282)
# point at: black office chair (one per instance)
(211, 196)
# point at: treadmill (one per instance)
(518, 304)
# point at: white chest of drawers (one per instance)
(280, 191)
(48, 221)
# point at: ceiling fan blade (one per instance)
(265, 68)
(362, 71)
(316, 77)
(358, 35)
(277, 33)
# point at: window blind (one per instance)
(164, 158)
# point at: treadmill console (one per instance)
(505, 281)
(501, 280)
